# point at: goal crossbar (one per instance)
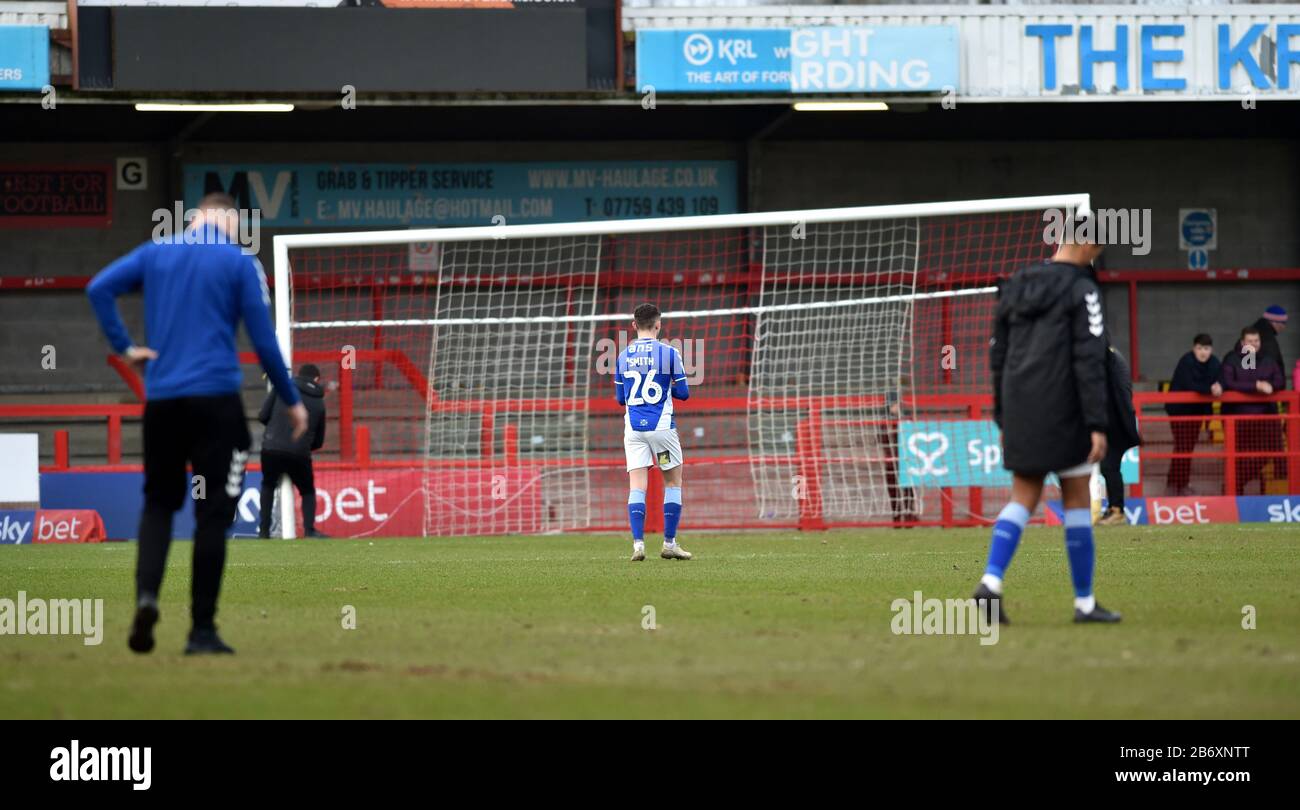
(1079, 203)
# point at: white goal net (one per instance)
(474, 365)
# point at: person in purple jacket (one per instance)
(1247, 371)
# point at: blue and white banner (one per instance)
(1199, 510)
(964, 453)
(118, 497)
(882, 59)
(16, 526)
(24, 57)
(367, 195)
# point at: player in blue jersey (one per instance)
(649, 377)
(198, 287)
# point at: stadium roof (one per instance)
(580, 122)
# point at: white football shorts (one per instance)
(652, 448)
(1078, 471)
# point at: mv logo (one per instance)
(251, 190)
(929, 457)
(1092, 301)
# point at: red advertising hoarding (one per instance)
(66, 196)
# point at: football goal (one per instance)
(474, 365)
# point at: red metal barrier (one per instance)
(810, 455)
(111, 414)
(808, 449)
(510, 441)
(363, 448)
(1133, 280)
(346, 366)
(1232, 453)
(128, 375)
(61, 449)
(347, 448)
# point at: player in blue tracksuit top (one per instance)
(649, 377)
(197, 287)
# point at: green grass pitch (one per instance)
(758, 625)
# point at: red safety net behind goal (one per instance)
(474, 390)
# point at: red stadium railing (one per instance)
(1133, 280)
(1249, 442)
(1230, 448)
(113, 414)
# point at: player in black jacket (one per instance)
(1050, 398)
(283, 453)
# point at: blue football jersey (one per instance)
(650, 376)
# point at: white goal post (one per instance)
(820, 284)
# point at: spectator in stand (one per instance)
(1198, 372)
(1270, 325)
(1246, 371)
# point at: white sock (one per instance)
(638, 545)
(1085, 603)
(669, 542)
(992, 583)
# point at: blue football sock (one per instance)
(1006, 536)
(636, 513)
(672, 512)
(1080, 550)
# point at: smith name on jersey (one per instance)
(650, 375)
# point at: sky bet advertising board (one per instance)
(349, 503)
(390, 503)
(882, 59)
